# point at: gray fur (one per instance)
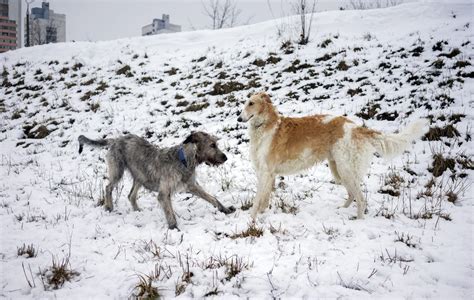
(159, 169)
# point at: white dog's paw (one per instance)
(253, 213)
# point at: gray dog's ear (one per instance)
(190, 139)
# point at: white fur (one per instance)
(328, 119)
(391, 145)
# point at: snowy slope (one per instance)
(382, 68)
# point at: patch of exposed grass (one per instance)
(368, 111)
(436, 133)
(220, 88)
(461, 64)
(172, 71)
(392, 184)
(252, 231)
(325, 43)
(438, 64)
(125, 70)
(440, 164)
(259, 62)
(197, 106)
(451, 54)
(287, 47)
(77, 66)
(296, 65)
(353, 92)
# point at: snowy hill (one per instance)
(382, 68)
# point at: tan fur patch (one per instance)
(361, 134)
(296, 135)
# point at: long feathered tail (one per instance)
(389, 145)
(95, 143)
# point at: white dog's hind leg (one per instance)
(352, 186)
(350, 199)
(334, 172)
(351, 168)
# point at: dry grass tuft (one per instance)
(59, 273)
(252, 231)
(27, 251)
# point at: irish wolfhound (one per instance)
(165, 170)
(283, 145)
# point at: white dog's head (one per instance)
(256, 107)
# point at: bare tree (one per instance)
(305, 10)
(37, 34)
(42, 31)
(281, 25)
(223, 13)
(371, 4)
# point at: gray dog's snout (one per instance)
(224, 157)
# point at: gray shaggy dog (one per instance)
(163, 170)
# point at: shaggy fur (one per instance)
(160, 170)
(282, 145)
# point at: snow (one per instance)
(309, 247)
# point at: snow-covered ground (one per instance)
(383, 68)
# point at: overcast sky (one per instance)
(95, 20)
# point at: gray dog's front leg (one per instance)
(165, 200)
(197, 190)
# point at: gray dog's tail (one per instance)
(95, 143)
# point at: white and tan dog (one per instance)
(282, 145)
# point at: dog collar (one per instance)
(182, 157)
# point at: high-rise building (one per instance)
(10, 25)
(160, 26)
(46, 26)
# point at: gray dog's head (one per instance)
(207, 150)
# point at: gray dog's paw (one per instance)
(228, 210)
(173, 226)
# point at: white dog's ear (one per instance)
(266, 97)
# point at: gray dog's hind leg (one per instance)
(196, 190)
(116, 169)
(164, 197)
(133, 195)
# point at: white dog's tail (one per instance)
(389, 145)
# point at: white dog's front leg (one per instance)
(264, 190)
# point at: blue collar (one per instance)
(182, 157)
